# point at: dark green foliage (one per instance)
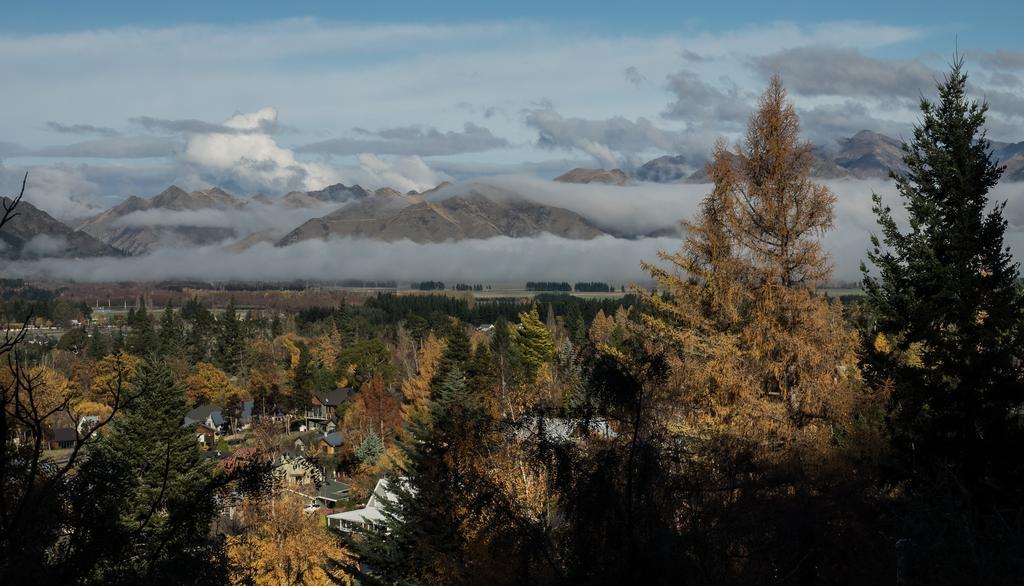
(201, 330)
(230, 343)
(143, 504)
(172, 333)
(142, 338)
(948, 289)
(593, 287)
(75, 340)
(548, 286)
(371, 449)
(99, 344)
(421, 541)
(360, 361)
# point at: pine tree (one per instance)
(172, 333)
(534, 342)
(229, 340)
(142, 340)
(98, 346)
(946, 291)
(371, 449)
(422, 541)
(143, 507)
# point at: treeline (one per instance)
(593, 287)
(548, 286)
(430, 286)
(20, 301)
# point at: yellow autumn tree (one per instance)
(755, 350)
(209, 384)
(281, 544)
(114, 375)
(416, 390)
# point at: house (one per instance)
(330, 443)
(64, 438)
(332, 491)
(209, 416)
(485, 328)
(297, 469)
(371, 514)
(325, 406)
(87, 424)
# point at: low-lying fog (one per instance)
(633, 209)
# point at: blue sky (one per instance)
(997, 24)
(119, 98)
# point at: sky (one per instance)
(103, 100)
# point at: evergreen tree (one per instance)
(421, 541)
(172, 333)
(457, 352)
(948, 304)
(98, 346)
(143, 507)
(534, 342)
(576, 325)
(143, 339)
(371, 449)
(230, 343)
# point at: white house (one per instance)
(370, 514)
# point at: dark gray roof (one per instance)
(65, 434)
(333, 490)
(333, 439)
(202, 412)
(335, 397)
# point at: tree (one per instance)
(230, 343)
(416, 390)
(371, 449)
(172, 333)
(142, 339)
(374, 409)
(209, 384)
(947, 290)
(143, 506)
(535, 343)
(281, 544)
(762, 381)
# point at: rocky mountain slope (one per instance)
(582, 175)
(34, 233)
(473, 211)
(131, 226)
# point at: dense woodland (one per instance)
(730, 425)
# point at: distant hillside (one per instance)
(476, 211)
(666, 169)
(582, 175)
(34, 233)
(139, 238)
(865, 155)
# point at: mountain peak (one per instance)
(584, 175)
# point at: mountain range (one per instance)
(180, 219)
(865, 155)
(474, 211)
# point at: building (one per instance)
(331, 492)
(64, 438)
(372, 513)
(325, 406)
(330, 443)
(208, 415)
